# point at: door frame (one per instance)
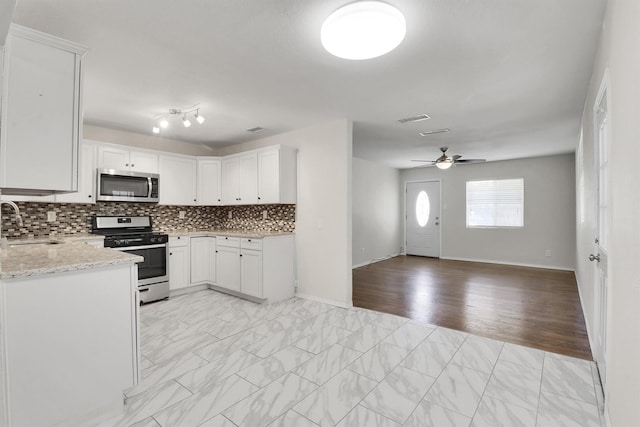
(603, 91)
(404, 210)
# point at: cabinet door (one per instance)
(209, 177)
(248, 179)
(113, 158)
(143, 162)
(86, 177)
(178, 267)
(201, 259)
(228, 268)
(269, 176)
(177, 180)
(211, 260)
(40, 113)
(251, 273)
(230, 182)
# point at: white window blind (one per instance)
(495, 203)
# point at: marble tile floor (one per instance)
(209, 359)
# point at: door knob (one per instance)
(593, 257)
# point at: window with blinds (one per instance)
(495, 203)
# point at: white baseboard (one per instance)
(373, 261)
(187, 290)
(517, 264)
(324, 300)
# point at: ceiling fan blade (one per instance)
(456, 157)
(471, 161)
(424, 161)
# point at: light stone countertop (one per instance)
(254, 234)
(27, 260)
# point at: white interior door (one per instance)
(601, 241)
(422, 230)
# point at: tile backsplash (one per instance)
(75, 218)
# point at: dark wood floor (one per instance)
(528, 306)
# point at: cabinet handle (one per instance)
(194, 200)
(258, 197)
(218, 199)
(126, 164)
(89, 195)
(240, 254)
(216, 251)
(170, 253)
(132, 165)
(178, 237)
(248, 240)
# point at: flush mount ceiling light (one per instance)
(162, 122)
(433, 132)
(363, 30)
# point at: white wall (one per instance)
(549, 215)
(377, 208)
(323, 211)
(619, 51)
(149, 142)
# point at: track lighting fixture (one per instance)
(162, 122)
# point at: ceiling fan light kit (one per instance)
(363, 30)
(445, 162)
(163, 122)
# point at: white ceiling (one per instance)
(508, 77)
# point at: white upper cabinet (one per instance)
(277, 175)
(41, 113)
(240, 179)
(86, 177)
(110, 157)
(178, 180)
(209, 181)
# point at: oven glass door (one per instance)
(154, 267)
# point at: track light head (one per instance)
(163, 123)
(186, 122)
(199, 118)
(156, 129)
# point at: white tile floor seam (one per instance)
(305, 363)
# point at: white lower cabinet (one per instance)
(258, 268)
(228, 263)
(69, 345)
(203, 260)
(251, 273)
(179, 266)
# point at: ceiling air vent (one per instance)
(255, 129)
(431, 132)
(419, 118)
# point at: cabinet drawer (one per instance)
(177, 241)
(251, 243)
(231, 242)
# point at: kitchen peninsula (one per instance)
(61, 353)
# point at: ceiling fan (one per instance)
(445, 162)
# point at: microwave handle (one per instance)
(149, 187)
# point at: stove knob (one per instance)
(154, 240)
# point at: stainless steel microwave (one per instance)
(126, 186)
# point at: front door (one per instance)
(422, 230)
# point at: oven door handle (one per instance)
(133, 248)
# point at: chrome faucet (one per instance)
(15, 208)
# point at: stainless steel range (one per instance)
(134, 234)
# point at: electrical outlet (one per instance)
(264, 214)
(51, 216)
(230, 215)
(547, 252)
(182, 214)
